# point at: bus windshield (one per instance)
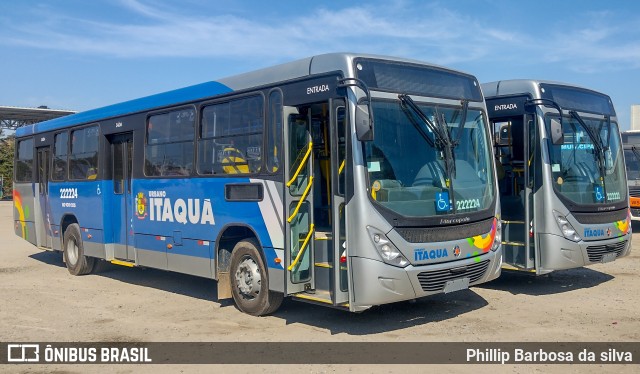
(632, 158)
(580, 172)
(410, 169)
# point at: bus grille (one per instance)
(634, 192)
(595, 252)
(433, 281)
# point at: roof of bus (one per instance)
(162, 99)
(518, 86)
(288, 71)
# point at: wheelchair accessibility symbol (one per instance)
(599, 192)
(442, 202)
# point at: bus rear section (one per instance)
(562, 177)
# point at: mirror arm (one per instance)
(545, 102)
(356, 82)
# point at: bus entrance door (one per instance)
(44, 236)
(299, 225)
(123, 207)
(339, 168)
(513, 166)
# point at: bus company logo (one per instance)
(422, 254)
(590, 233)
(456, 251)
(165, 209)
(609, 231)
(141, 205)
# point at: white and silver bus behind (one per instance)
(631, 144)
(562, 177)
(341, 179)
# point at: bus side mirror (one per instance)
(557, 136)
(364, 121)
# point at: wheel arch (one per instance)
(66, 220)
(230, 235)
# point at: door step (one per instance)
(319, 297)
(515, 244)
(510, 267)
(123, 263)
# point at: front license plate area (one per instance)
(608, 257)
(456, 285)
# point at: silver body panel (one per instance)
(552, 250)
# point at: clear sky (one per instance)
(78, 54)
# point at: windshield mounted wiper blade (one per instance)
(441, 121)
(635, 152)
(441, 135)
(408, 101)
(463, 122)
(597, 144)
(417, 126)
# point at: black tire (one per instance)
(253, 296)
(73, 252)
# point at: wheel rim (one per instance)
(248, 278)
(72, 252)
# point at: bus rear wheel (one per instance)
(250, 281)
(77, 262)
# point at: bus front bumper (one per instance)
(558, 253)
(376, 283)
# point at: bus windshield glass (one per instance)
(584, 171)
(632, 160)
(410, 169)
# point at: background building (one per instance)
(635, 117)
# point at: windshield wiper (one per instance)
(636, 153)
(443, 141)
(463, 121)
(417, 126)
(449, 145)
(409, 103)
(597, 143)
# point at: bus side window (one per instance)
(83, 160)
(231, 137)
(169, 145)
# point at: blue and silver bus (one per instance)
(563, 186)
(341, 179)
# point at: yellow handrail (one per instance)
(341, 167)
(302, 198)
(304, 161)
(302, 248)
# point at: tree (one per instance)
(7, 146)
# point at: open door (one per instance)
(299, 225)
(512, 159)
(339, 178)
(531, 166)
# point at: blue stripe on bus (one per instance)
(191, 93)
(157, 205)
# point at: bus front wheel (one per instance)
(250, 281)
(77, 262)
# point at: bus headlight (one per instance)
(389, 253)
(497, 240)
(567, 230)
